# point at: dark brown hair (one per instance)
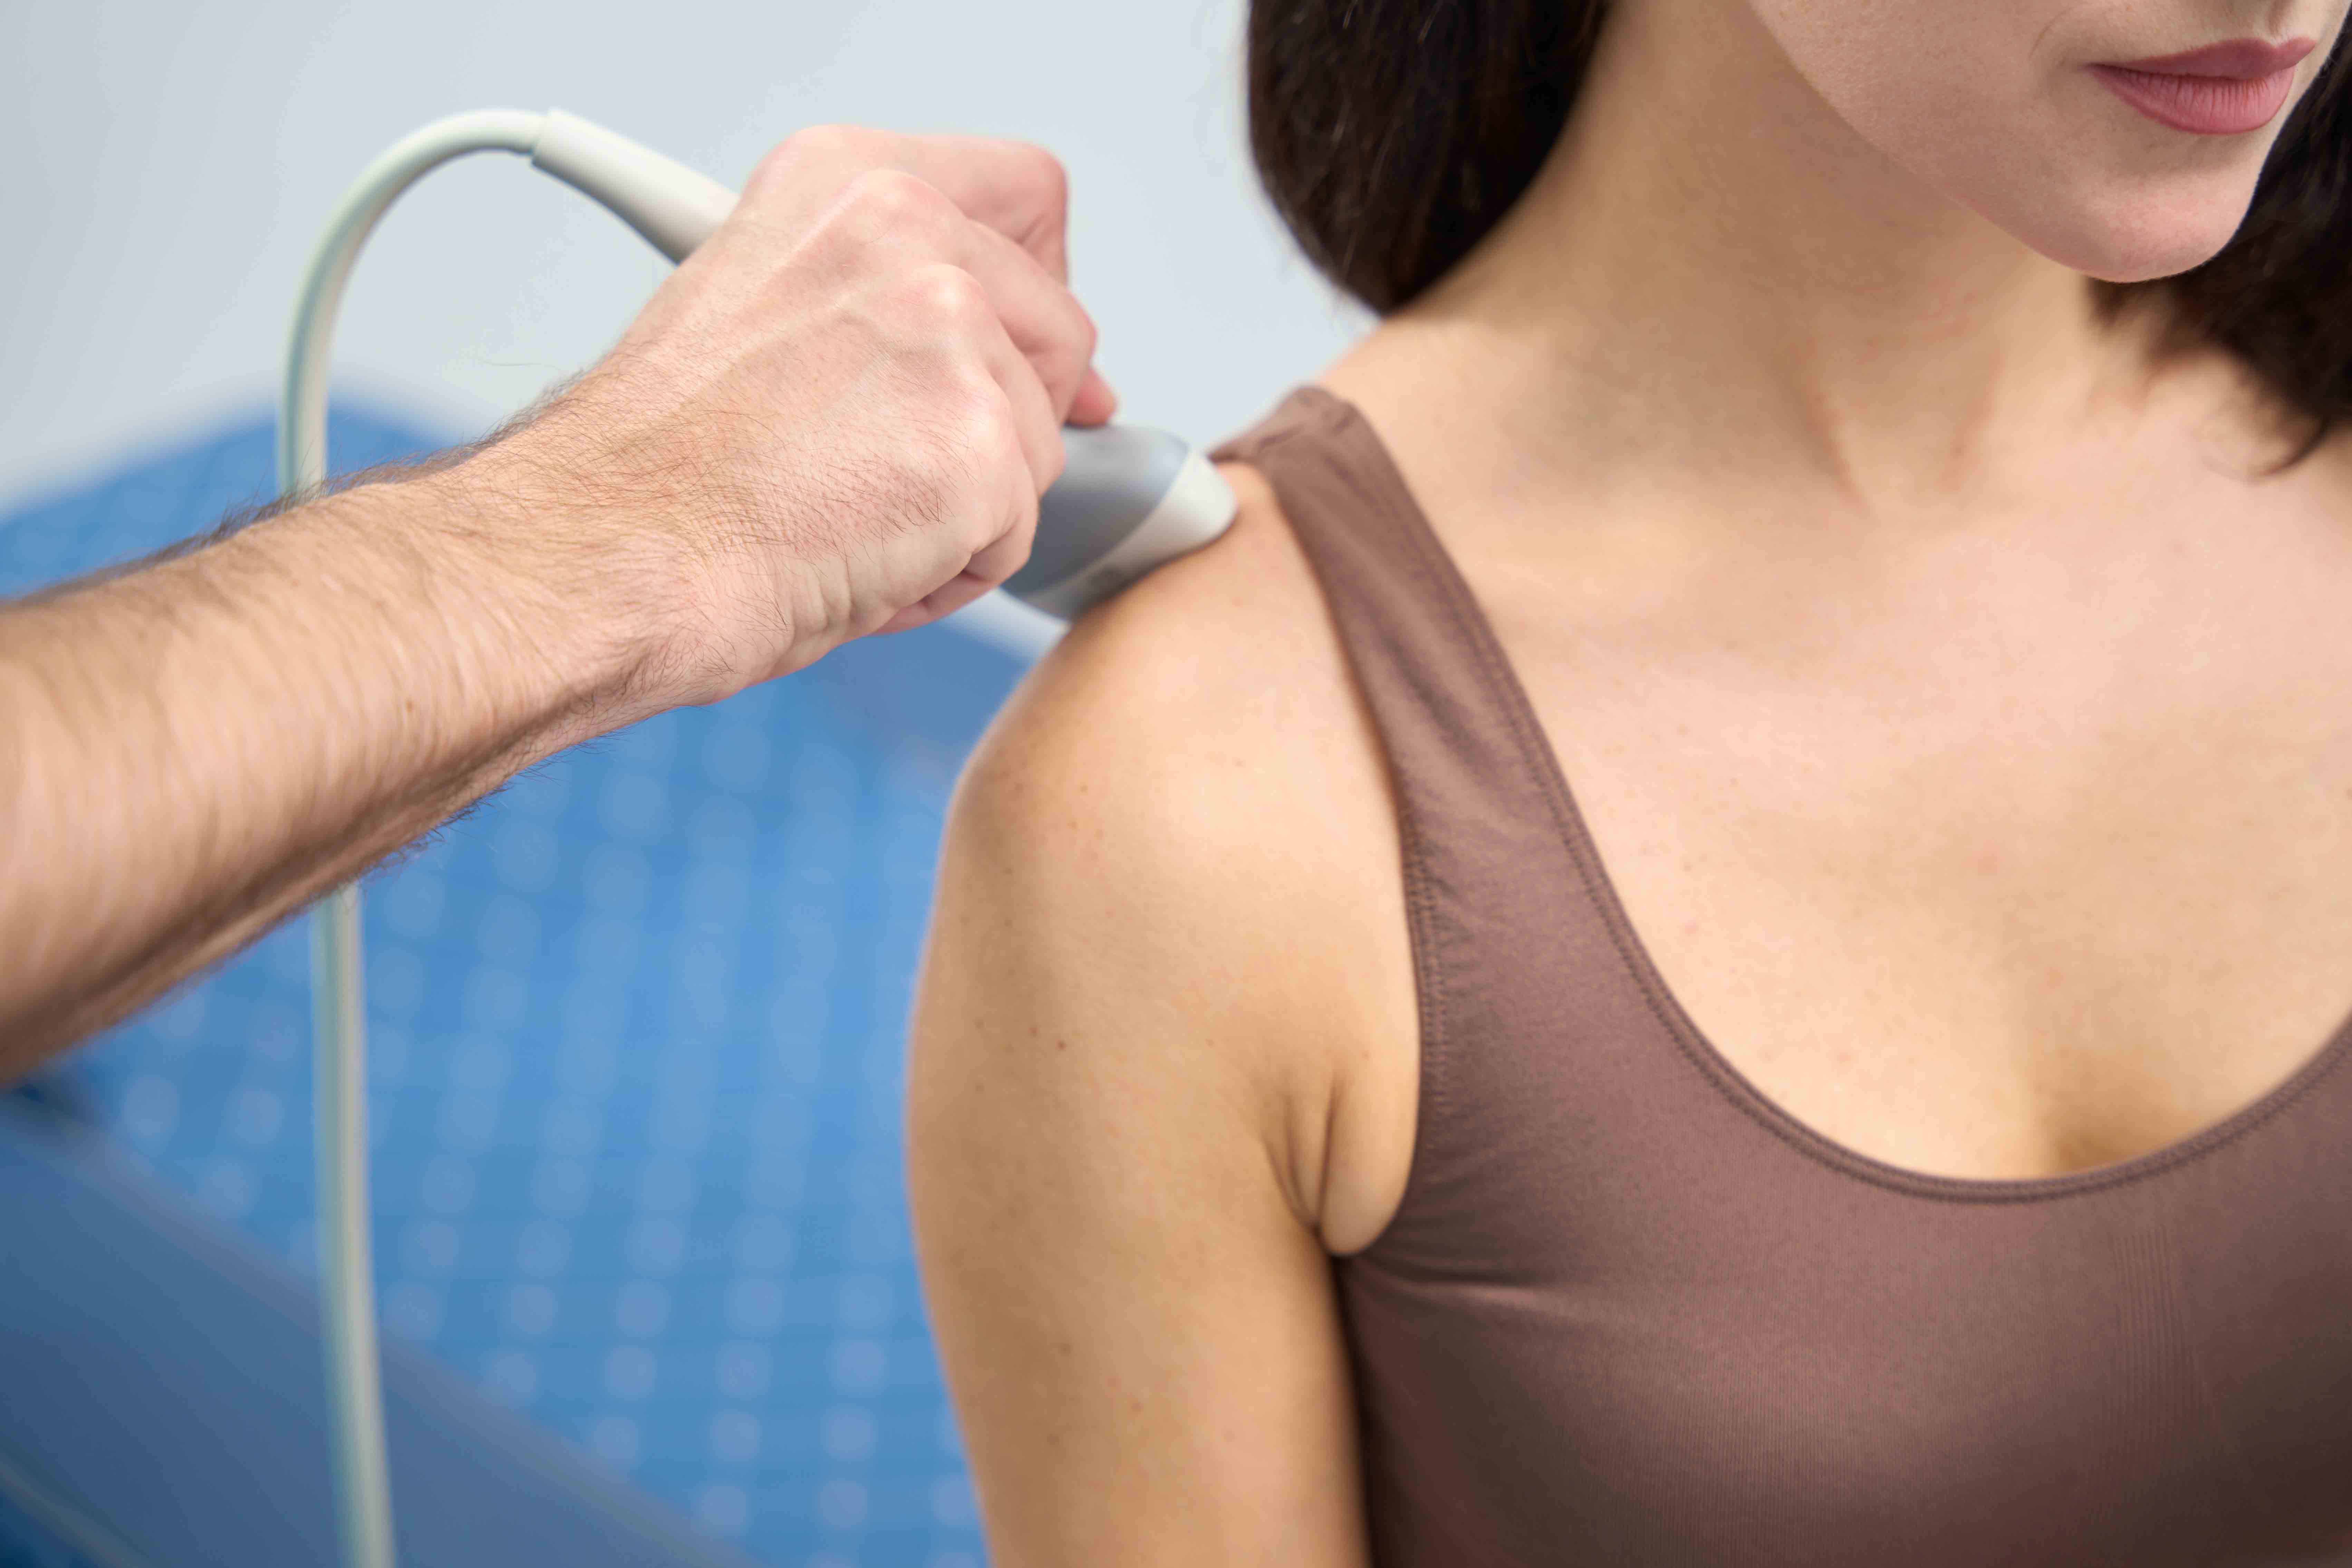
(1392, 135)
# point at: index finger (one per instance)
(1016, 188)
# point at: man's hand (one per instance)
(835, 419)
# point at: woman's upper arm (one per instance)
(1136, 1315)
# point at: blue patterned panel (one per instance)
(639, 1058)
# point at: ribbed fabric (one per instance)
(1630, 1313)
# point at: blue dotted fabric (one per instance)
(638, 1031)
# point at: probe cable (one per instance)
(339, 1024)
(1128, 498)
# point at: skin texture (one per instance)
(1958, 709)
(835, 419)
(1990, 107)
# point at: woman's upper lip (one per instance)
(2244, 59)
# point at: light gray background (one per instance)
(164, 168)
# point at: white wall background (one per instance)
(164, 168)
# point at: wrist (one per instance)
(569, 613)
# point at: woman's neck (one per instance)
(1713, 272)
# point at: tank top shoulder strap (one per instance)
(1457, 732)
(1462, 743)
(1503, 929)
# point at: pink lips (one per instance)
(2221, 89)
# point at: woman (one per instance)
(1890, 1112)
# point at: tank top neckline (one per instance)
(1500, 677)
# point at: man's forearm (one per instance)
(834, 418)
(192, 752)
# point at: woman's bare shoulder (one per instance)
(1207, 706)
(1159, 897)
(1187, 799)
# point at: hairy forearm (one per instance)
(833, 419)
(192, 752)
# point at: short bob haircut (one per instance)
(1393, 134)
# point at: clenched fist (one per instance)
(834, 418)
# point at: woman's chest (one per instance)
(1975, 859)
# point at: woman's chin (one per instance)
(2136, 267)
(2141, 240)
(2144, 263)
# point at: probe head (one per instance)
(1130, 498)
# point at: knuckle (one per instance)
(990, 428)
(945, 297)
(977, 442)
(891, 202)
(812, 145)
(833, 138)
(1046, 176)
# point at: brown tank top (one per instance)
(1632, 1313)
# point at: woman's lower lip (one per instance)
(2202, 105)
